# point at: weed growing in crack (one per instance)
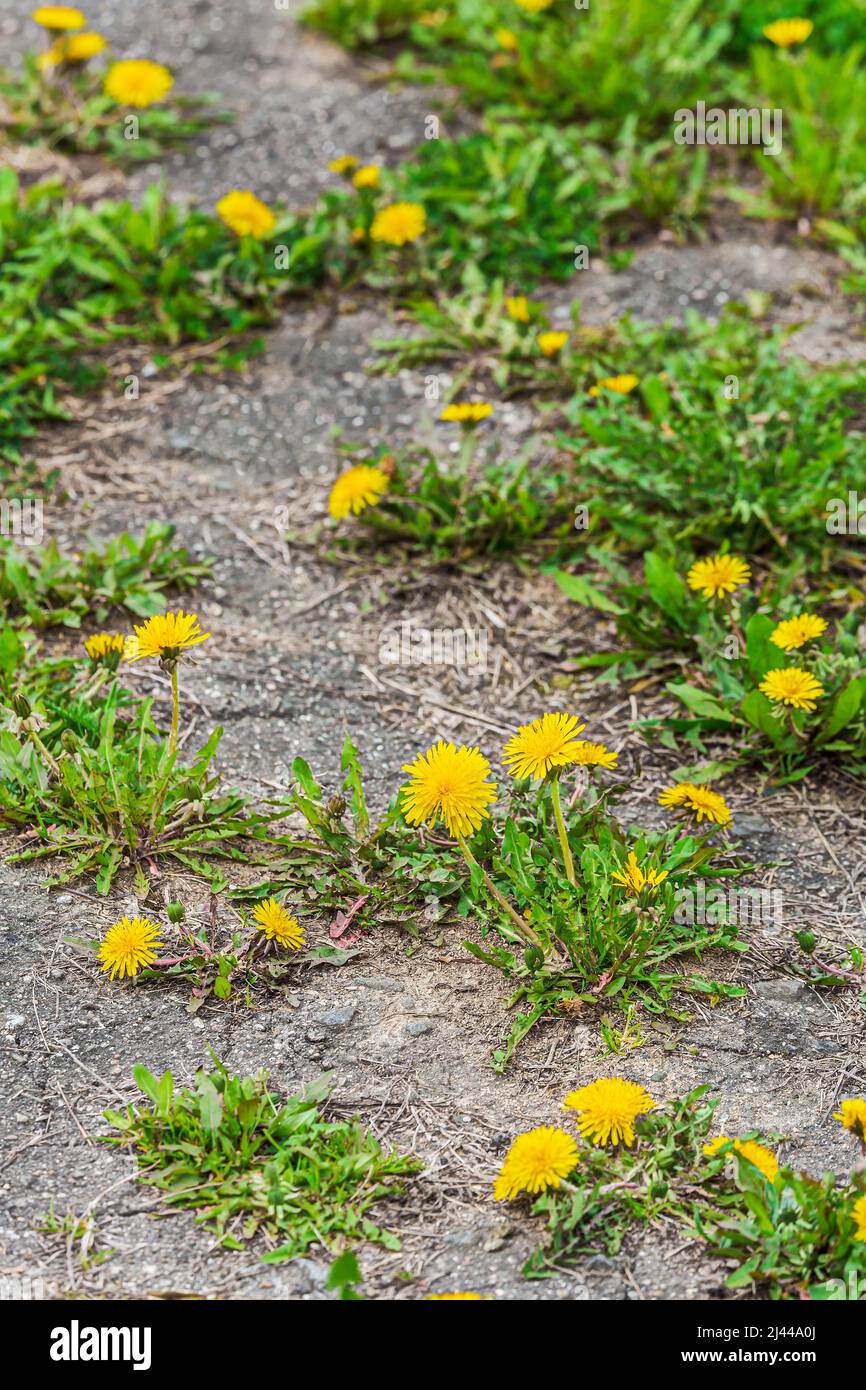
(450, 510)
(618, 73)
(80, 1235)
(781, 1231)
(251, 1165)
(101, 790)
(588, 910)
(42, 588)
(259, 952)
(774, 685)
(73, 97)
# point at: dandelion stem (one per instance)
(728, 602)
(563, 835)
(44, 754)
(638, 935)
(523, 928)
(804, 738)
(170, 750)
(175, 712)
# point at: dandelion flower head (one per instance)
(607, 1109)
(129, 946)
(546, 743)
(539, 1159)
(449, 782)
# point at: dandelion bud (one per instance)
(22, 706)
(175, 912)
(69, 740)
(336, 807)
(533, 958)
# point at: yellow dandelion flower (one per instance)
(620, 385)
(367, 176)
(551, 343)
(443, 1297)
(517, 308)
(507, 39)
(344, 165)
(758, 1154)
(714, 1146)
(635, 879)
(129, 946)
(548, 742)
(534, 6)
(594, 755)
(166, 635)
(795, 632)
(539, 1159)
(356, 489)
(399, 223)
(699, 799)
(246, 214)
(784, 33)
(73, 48)
(137, 82)
(79, 47)
(104, 644)
(791, 685)
(277, 924)
(607, 1109)
(449, 782)
(852, 1114)
(763, 1158)
(467, 412)
(718, 575)
(58, 17)
(676, 796)
(858, 1211)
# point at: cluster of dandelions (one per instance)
(794, 686)
(851, 1115)
(394, 224)
(165, 637)
(455, 784)
(133, 944)
(134, 82)
(606, 1112)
